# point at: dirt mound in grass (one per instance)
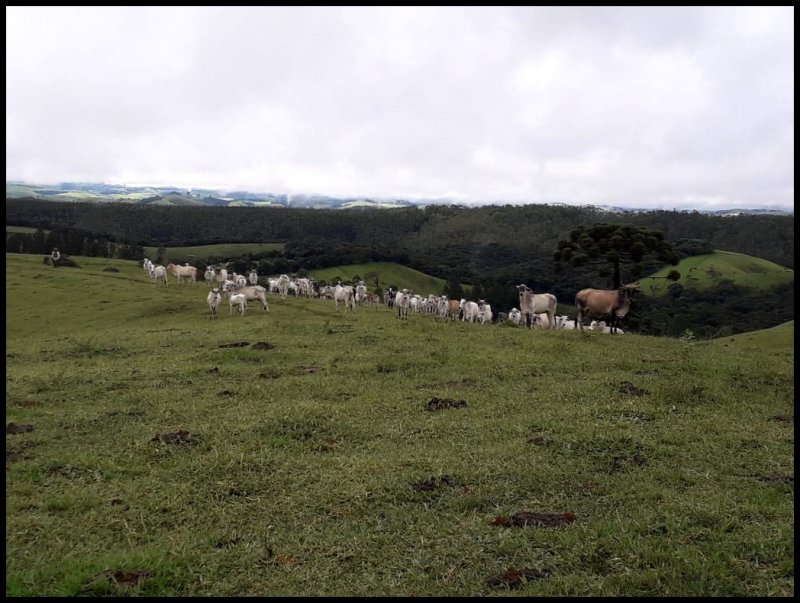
(443, 403)
(533, 518)
(177, 437)
(514, 577)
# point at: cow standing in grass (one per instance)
(531, 304)
(610, 303)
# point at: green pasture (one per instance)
(203, 252)
(388, 274)
(777, 338)
(706, 271)
(152, 451)
(23, 229)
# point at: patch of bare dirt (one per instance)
(226, 392)
(237, 344)
(18, 427)
(434, 483)
(635, 416)
(269, 375)
(134, 412)
(533, 518)
(774, 478)
(540, 441)
(120, 577)
(27, 403)
(626, 387)
(514, 577)
(782, 418)
(262, 345)
(177, 437)
(443, 403)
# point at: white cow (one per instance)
(532, 304)
(252, 293)
(253, 276)
(240, 301)
(184, 272)
(214, 297)
(346, 294)
(283, 285)
(484, 312)
(159, 275)
(361, 292)
(470, 311)
(210, 276)
(401, 303)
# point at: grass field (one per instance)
(23, 229)
(303, 451)
(388, 274)
(202, 252)
(702, 272)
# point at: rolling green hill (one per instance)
(780, 338)
(706, 271)
(388, 274)
(305, 451)
(202, 252)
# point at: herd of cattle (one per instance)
(536, 310)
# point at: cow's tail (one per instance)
(578, 313)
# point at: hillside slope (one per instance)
(703, 272)
(152, 451)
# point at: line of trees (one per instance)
(72, 241)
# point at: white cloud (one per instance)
(609, 105)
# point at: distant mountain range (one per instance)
(94, 192)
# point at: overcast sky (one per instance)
(651, 107)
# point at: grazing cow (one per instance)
(159, 275)
(469, 311)
(346, 294)
(222, 276)
(610, 303)
(283, 285)
(182, 272)
(531, 303)
(240, 301)
(453, 310)
(401, 303)
(253, 293)
(361, 292)
(213, 299)
(484, 312)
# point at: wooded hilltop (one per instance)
(493, 248)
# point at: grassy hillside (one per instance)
(202, 252)
(776, 339)
(706, 271)
(387, 273)
(22, 229)
(306, 451)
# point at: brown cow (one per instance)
(605, 302)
